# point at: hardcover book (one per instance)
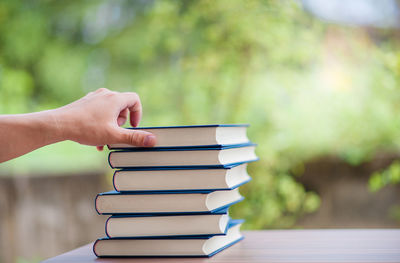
(172, 180)
(168, 247)
(170, 225)
(189, 157)
(196, 135)
(163, 203)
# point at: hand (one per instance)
(96, 119)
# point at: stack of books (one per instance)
(172, 200)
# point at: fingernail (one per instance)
(149, 141)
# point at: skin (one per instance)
(92, 120)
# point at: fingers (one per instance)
(135, 114)
(135, 137)
(129, 101)
(123, 115)
(132, 102)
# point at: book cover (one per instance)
(171, 246)
(236, 197)
(213, 135)
(231, 222)
(196, 158)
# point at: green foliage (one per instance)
(307, 88)
(383, 178)
(388, 176)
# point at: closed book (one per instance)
(165, 203)
(169, 225)
(197, 135)
(189, 157)
(168, 247)
(172, 180)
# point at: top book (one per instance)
(197, 135)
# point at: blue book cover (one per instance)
(217, 166)
(221, 211)
(217, 210)
(172, 191)
(232, 224)
(121, 147)
(200, 166)
(186, 148)
(157, 168)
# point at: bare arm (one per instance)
(92, 120)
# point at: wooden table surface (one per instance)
(335, 245)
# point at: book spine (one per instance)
(109, 160)
(94, 248)
(106, 227)
(95, 204)
(113, 180)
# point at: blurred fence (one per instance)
(42, 216)
(346, 201)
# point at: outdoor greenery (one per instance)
(389, 176)
(307, 88)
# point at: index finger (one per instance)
(132, 102)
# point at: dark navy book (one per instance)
(182, 246)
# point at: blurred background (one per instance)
(317, 80)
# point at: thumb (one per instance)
(136, 137)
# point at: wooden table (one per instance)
(373, 245)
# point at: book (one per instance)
(170, 225)
(189, 157)
(172, 200)
(171, 180)
(162, 203)
(206, 246)
(195, 135)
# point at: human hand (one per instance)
(96, 119)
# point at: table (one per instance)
(333, 245)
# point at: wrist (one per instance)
(60, 124)
(47, 123)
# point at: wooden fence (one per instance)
(42, 216)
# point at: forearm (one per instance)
(23, 133)
(92, 120)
